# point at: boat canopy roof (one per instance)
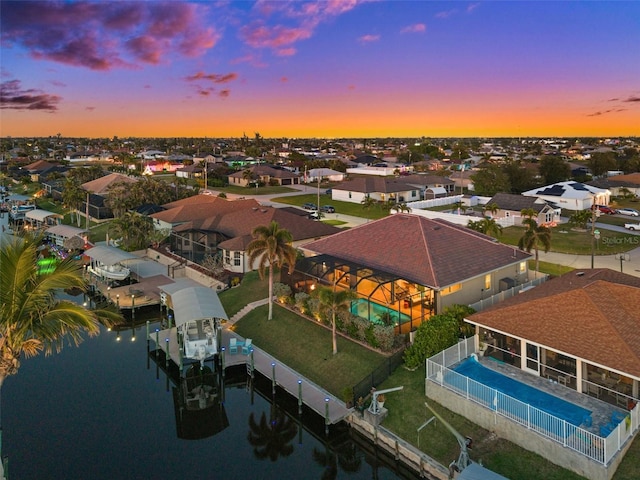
(109, 255)
(66, 231)
(196, 303)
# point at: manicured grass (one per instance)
(564, 240)
(407, 412)
(346, 208)
(306, 347)
(250, 290)
(550, 268)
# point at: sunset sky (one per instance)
(336, 68)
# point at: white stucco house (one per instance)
(571, 195)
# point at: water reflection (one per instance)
(100, 411)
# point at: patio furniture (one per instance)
(593, 389)
(233, 345)
(246, 348)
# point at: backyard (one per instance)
(306, 347)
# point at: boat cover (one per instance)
(196, 303)
(109, 255)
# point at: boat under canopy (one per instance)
(106, 262)
(198, 312)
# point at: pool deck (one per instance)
(600, 411)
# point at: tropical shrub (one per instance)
(282, 292)
(300, 301)
(433, 336)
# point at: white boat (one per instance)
(113, 272)
(198, 313)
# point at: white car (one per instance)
(629, 211)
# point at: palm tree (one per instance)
(528, 213)
(134, 229)
(485, 225)
(403, 207)
(32, 319)
(492, 208)
(271, 439)
(332, 302)
(534, 236)
(73, 195)
(272, 246)
(367, 202)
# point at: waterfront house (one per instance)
(581, 329)
(571, 195)
(410, 267)
(510, 206)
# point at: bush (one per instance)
(282, 292)
(300, 301)
(385, 337)
(433, 336)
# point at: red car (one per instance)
(606, 210)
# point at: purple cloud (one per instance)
(216, 79)
(106, 35)
(294, 21)
(14, 97)
(632, 99)
(213, 77)
(415, 28)
(368, 38)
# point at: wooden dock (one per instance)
(322, 402)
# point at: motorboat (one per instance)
(113, 272)
(198, 314)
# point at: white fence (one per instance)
(595, 447)
(499, 297)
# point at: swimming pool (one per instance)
(526, 394)
(361, 307)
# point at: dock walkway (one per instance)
(313, 396)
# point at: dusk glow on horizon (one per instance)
(333, 68)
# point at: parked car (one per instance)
(327, 209)
(605, 209)
(314, 216)
(309, 206)
(629, 211)
(632, 226)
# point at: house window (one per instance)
(186, 242)
(236, 259)
(414, 193)
(487, 281)
(227, 257)
(522, 267)
(507, 213)
(451, 289)
(349, 194)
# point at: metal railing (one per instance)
(598, 448)
(499, 297)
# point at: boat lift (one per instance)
(465, 444)
(375, 407)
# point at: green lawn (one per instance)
(550, 268)
(346, 208)
(251, 289)
(306, 347)
(407, 412)
(564, 240)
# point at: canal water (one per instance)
(104, 411)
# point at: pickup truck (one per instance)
(632, 226)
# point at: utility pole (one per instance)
(595, 234)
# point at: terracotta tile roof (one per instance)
(100, 185)
(431, 252)
(201, 207)
(243, 223)
(39, 166)
(594, 315)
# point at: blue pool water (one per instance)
(546, 402)
(361, 307)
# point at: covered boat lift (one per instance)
(106, 262)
